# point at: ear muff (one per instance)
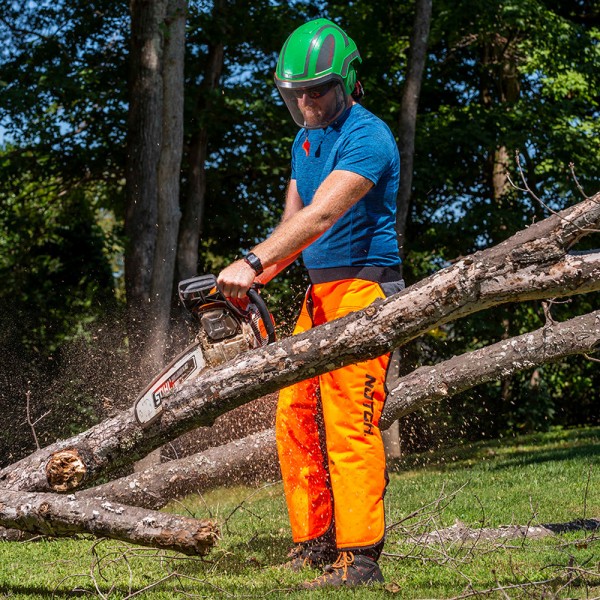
(350, 80)
(359, 93)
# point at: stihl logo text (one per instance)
(174, 381)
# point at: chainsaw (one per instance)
(224, 331)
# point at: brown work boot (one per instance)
(347, 571)
(308, 557)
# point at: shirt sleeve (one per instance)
(368, 151)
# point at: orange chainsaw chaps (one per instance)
(330, 447)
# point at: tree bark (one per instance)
(169, 168)
(533, 264)
(56, 515)
(193, 208)
(407, 127)
(144, 138)
(408, 113)
(499, 84)
(155, 140)
(255, 456)
(459, 533)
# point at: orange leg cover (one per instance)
(330, 448)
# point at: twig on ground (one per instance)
(240, 506)
(489, 591)
(587, 490)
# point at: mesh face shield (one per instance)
(314, 106)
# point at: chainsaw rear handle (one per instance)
(264, 313)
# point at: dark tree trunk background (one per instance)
(408, 113)
(155, 138)
(193, 207)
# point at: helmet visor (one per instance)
(314, 106)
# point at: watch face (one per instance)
(254, 262)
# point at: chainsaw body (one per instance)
(224, 331)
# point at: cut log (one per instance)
(256, 455)
(533, 264)
(59, 515)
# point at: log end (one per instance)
(197, 539)
(65, 470)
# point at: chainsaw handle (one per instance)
(265, 315)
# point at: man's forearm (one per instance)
(290, 238)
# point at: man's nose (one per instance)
(305, 100)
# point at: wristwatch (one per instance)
(254, 262)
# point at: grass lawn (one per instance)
(532, 480)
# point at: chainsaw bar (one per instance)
(187, 365)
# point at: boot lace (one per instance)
(343, 561)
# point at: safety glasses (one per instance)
(315, 92)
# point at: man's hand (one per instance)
(236, 279)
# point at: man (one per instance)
(340, 214)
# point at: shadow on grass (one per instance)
(525, 457)
(268, 550)
(557, 445)
(32, 592)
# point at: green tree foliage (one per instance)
(61, 99)
(249, 134)
(56, 284)
(248, 163)
(53, 266)
(516, 76)
(62, 87)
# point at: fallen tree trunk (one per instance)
(252, 457)
(256, 455)
(58, 515)
(550, 343)
(533, 264)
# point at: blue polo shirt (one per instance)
(362, 143)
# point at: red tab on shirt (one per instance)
(306, 146)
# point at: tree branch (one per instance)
(433, 383)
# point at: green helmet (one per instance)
(317, 56)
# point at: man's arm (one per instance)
(300, 226)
